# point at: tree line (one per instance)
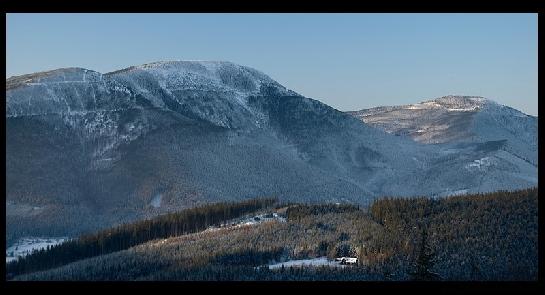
(128, 235)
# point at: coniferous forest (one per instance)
(479, 237)
(128, 235)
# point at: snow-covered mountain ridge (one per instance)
(445, 119)
(45, 92)
(459, 120)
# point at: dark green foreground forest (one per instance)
(472, 237)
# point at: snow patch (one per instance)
(480, 163)
(26, 246)
(156, 201)
(314, 262)
(249, 221)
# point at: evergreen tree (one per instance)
(424, 262)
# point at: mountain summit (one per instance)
(456, 119)
(158, 85)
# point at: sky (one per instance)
(348, 61)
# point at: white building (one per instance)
(347, 260)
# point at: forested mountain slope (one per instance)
(471, 237)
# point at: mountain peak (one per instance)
(182, 62)
(61, 75)
(223, 76)
(461, 99)
(189, 66)
(454, 103)
(214, 91)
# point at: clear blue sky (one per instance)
(349, 61)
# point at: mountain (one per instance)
(459, 119)
(87, 150)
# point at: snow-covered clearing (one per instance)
(314, 262)
(25, 246)
(156, 201)
(248, 221)
(480, 163)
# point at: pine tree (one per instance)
(424, 262)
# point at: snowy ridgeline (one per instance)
(247, 221)
(25, 246)
(313, 262)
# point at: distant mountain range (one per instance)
(87, 150)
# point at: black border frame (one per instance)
(55, 6)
